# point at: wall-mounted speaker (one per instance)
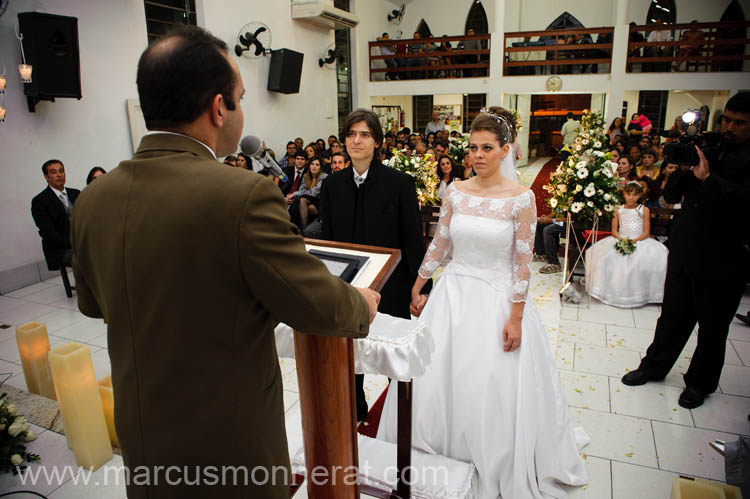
(285, 72)
(50, 43)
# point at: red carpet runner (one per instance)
(542, 208)
(369, 427)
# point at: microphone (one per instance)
(253, 147)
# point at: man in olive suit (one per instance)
(192, 265)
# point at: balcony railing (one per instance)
(564, 51)
(690, 47)
(433, 61)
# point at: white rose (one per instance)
(600, 192)
(607, 197)
(597, 144)
(581, 164)
(386, 162)
(608, 207)
(571, 162)
(12, 409)
(578, 140)
(578, 147)
(16, 459)
(598, 213)
(585, 142)
(553, 202)
(582, 173)
(579, 187)
(598, 154)
(30, 435)
(15, 429)
(576, 207)
(562, 188)
(589, 191)
(590, 204)
(607, 173)
(569, 171)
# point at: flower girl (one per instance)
(628, 269)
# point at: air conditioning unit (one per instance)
(322, 14)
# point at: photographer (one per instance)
(708, 263)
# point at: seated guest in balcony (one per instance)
(471, 58)
(415, 48)
(447, 172)
(693, 37)
(601, 53)
(616, 128)
(389, 50)
(435, 124)
(445, 49)
(52, 209)
(308, 195)
(95, 173)
(663, 35)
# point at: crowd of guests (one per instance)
(424, 55)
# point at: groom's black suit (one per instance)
(708, 267)
(383, 211)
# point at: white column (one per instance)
(622, 12)
(617, 71)
(497, 54)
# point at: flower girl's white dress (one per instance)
(506, 412)
(627, 280)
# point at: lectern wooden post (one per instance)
(325, 371)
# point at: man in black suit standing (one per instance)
(709, 263)
(375, 205)
(52, 209)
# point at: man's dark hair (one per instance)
(300, 153)
(371, 120)
(332, 137)
(739, 103)
(406, 130)
(342, 154)
(49, 162)
(570, 115)
(390, 134)
(179, 75)
(291, 143)
(649, 150)
(384, 34)
(442, 143)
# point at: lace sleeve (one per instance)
(524, 226)
(439, 251)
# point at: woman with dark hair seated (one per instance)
(95, 172)
(244, 161)
(308, 194)
(447, 173)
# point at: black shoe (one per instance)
(361, 411)
(637, 378)
(691, 398)
(744, 318)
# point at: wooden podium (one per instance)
(325, 372)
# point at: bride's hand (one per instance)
(512, 335)
(417, 303)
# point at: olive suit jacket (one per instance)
(192, 264)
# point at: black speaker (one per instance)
(285, 72)
(50, 43)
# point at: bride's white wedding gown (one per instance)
(504, 411)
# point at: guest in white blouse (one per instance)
(447, 172)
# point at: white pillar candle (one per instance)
(33, 345)
(25, 70)
(80, 404)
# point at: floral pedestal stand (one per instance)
(592, 238)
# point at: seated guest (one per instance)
(320, 146)
(547, 243)
(615, 154)
(633, 279)
(311, 150)
(95, 173)
(661, 183)
(447, 172)
(294, 174)
(644, 142)
(648, 166)
(414, 49)
(662, 35)
(420, 149)
(231, 160)
(616, 129)
(468, 165)
(430, 139)
(299, 143)
(291, 148)
(441, 147)
(692, 37)
(647, 198)
(625, 170)
(472, 58)
(619, 144)
(308, 195)
(634, 152)
(244, 161)
(407, 150)
(660, 152)
(655, 140)
(339, 161)
(52, 209)
(640, 125)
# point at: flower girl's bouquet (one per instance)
(625, 246)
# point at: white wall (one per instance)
(687, 10)
(679, 102)
(405, 101)
(95, 130)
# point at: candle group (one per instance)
(108, 404)
(33, 345)
(80, 404)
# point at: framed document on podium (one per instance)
(343, 265)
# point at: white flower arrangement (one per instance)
(587, 187)
(422, 170)
(14, 432)
(457, 148)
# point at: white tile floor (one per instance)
(640, 437)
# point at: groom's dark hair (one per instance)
(371, 120)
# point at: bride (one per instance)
(492, 395)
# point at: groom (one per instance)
(375, 205)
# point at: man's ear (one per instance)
(218, 110)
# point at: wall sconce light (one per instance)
(24, 69)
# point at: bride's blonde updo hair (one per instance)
(498, 121)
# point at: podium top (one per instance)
(377, 271)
